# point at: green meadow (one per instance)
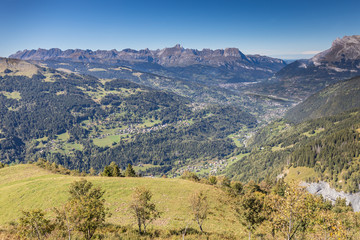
(27, 186)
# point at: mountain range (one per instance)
(177, 56)
(229, 64)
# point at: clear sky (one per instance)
(285, 29)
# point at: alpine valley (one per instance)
(189, 113)
(170, 109)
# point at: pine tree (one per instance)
(130, 172)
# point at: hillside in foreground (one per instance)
(27, 186)
(232, 207)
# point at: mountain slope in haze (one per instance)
(81, 122)
(332, 100)
(303, 77)
(229, 65)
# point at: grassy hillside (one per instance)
(28, 187)
(332, 100)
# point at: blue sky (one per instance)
(284, 29)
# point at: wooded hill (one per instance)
(334, 99)
(82, 122)
(330, 145)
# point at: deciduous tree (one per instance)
(34, 224)
(85, 210)
(143, 210)
(199, 207)
(250, 210)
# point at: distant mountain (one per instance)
(332, 100)
(340, 61)
(175, 59)
(303, 77)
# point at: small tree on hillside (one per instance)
(294, 212)
(130, 172)
(212, 180)
(143, 210)
(111, 170)
(33, 224)
(249, 210)
(115, 170)
(107, 172)
(84, 211)
(199, 207)
(190, 176)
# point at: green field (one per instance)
(314, 133)
(300, 174)
(63, 137)
(235, 138)
(106, 141)
(13, 95)
(28, 186)
(144, 167)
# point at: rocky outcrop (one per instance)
(324, 189)
(342, 49)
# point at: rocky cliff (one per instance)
(324, 189)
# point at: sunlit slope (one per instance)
(27, 187)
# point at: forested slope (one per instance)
(330, 101)
(82, 122)
(330, 145)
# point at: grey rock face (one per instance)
(342, 49)
(324, 189)
(343, 58)
(176, 56)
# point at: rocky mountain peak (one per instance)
(232, 52)
(342, 49)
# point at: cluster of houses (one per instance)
(212, 168)
(133, 129)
